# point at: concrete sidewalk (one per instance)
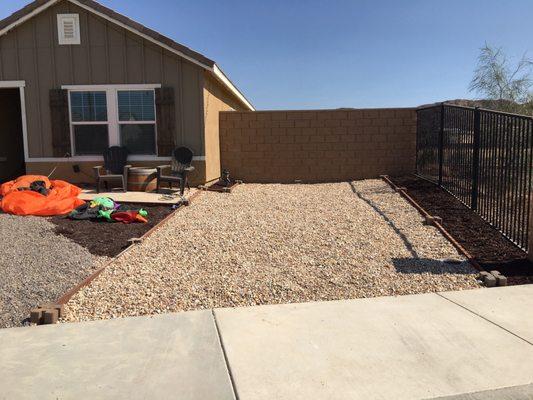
(459, 345)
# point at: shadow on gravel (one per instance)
(486, 244)
(432, 266)
(407, 243)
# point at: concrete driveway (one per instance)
(473, 344)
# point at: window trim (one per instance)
(113, 122)
(72, 123)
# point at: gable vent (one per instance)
(68, 26)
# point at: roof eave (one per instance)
(36, 7)
(221, 77)
(19, 17)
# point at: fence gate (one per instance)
(483, 158)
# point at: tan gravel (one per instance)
(278, 244)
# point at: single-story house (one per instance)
(77, 77)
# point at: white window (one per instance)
(90, 126)
(105, 117)
(136, 115)
(68, 28)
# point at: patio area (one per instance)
(166, 197)
(273, 243)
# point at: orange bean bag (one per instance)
(62, 198)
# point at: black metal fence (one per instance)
(483, 158)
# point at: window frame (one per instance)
(144, 122)
(113, 122)
(73, 123)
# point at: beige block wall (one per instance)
(64, 170)
(318, 146)
(216, 99)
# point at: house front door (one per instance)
(11, 139)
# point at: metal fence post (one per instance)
(441, 142)
(529, 242)
(475, 158)
(417, 147)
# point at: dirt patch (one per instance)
(104, 238)
(486, 244)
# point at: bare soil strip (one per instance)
(104, 238)
(486, 244)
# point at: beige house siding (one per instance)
(108, 54)
(216, 99)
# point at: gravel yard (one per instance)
(278, 244)
(36, 266)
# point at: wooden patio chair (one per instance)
(179, 170)
(115, 168)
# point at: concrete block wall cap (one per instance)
(36, 316)
(501, 280)
(50, 317)
(60, 308)
(432, 220)
(429, 220)
(490, 280)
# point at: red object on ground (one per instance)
(128, 217)
(62, 198)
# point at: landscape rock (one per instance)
(273, 243)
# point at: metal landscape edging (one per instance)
(435, 221)
(50, 313)
(490, 279)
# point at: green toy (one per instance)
(106, 214)
(104, 202)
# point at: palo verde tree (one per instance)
(507, 86)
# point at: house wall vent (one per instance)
(68, 26)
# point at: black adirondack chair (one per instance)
(115, 168)
(178, 171)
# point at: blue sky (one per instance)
(294, 54)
